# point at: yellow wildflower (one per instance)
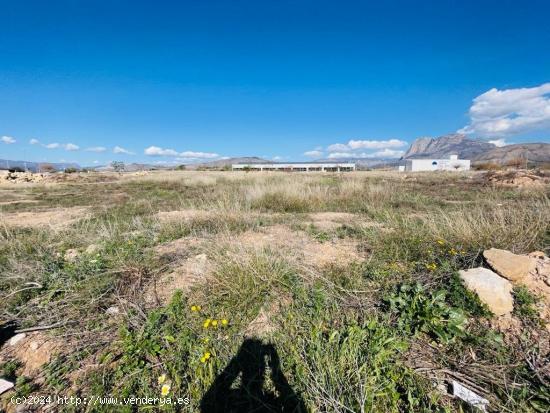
(207, 355)
(193, 308)
(162, 378)
(203, 360)
(206, 323)
(224, 322)
(214, 323)
(431, 266)
(440, 242)
(165, 389)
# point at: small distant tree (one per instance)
(46, 167)
(118, 166)
(71, 170)
(181, 167)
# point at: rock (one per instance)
(16, 339)
(5, 385)
(473, 399)
(92, 249)
(492, 289)
(71, 255)
(511, 266)
(114, 310)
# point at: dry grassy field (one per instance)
(270, 292)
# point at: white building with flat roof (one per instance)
(296, 167)
(451, 164)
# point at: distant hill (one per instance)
(221, 163)
(363, 163)
(34, 166)
(532, 152)
(476, 150)
(442, 147)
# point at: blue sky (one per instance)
(199, 80)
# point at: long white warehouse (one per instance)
(295, 167)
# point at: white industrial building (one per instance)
(296, 167)
(451, 164)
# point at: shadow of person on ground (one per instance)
(241, 386)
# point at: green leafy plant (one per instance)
(418, 310)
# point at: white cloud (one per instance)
(119, 149)
(366, 144)
(54, 145)
(499, 142)
(7, 140)
(363, 144)
(34, 141)
(385, 154)
(187, 155)
(510, 112)
(71, 147)
(97, 149)
(200, 155)
(337, 147)
(156, 151)
(335, 155)
(314, 154)
(356, 149)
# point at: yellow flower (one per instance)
(162, 378)
(452, 251)
(165, 389)
(206, 323)
(193, 308)
(431, 266)
(207, 355)
(203, 360)
(440, 242)
(224, 322)
(215, 323)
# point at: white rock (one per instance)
(112, 310)
(491, 288)
(5, 385)
(16, 339)
(469, 396)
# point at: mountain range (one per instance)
(477, 150)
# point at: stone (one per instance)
(5, 385)
(16, 339)
(511, 266)
(112, 311)
(491, 288)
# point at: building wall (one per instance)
(297, 167)
(417, 165)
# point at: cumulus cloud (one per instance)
(97, 149)
(54, 145)
(385, 153)
(199, 155)
(510, 112)
(361, 148)
(34, 141)
(186, 155)
(7, 140)
(314, 153)
(156, 151)
(71, 147)
(119, 149)
(499, 142)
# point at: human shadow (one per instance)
(240, 387)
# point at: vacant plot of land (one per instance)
(277, 292)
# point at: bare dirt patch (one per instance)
(183, 215)
(519, 178)
(33, 352)
(330, 221)
(192, 272)
(300, 245)
(54, 218)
